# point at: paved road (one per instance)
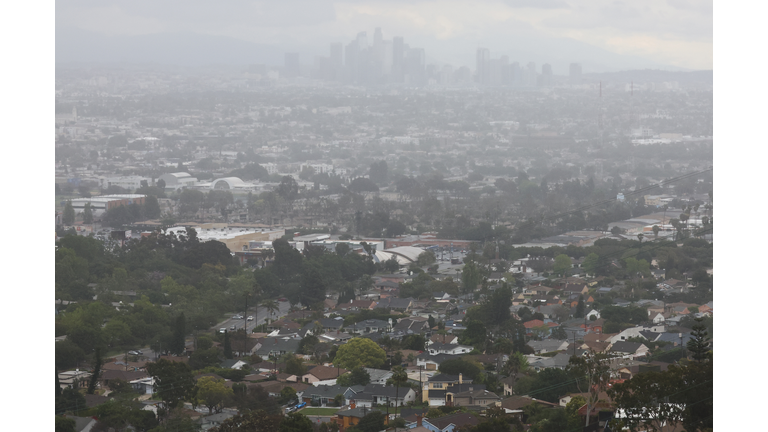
(261, 315)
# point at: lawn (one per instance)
(319, 411)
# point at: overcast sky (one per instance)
(670, 32)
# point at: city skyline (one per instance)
(660, 35)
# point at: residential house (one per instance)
(322, 375)
(277, 347)
(325, 395)
(411, 325)
(348, 418)
(443, 339)
(548, 345)
(432, 362)
(355, 305)
(475, 398)
(450, 423)
(559, 361)
(378, 394)
(378, 376)
(514, 405)
(232, 364)
(396, 304)
(74, 379)
(368, 326)
(631, 350)
(439, 348)
(434, 390)
(575, 288)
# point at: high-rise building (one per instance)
(292, 67)
(398, 56)
(546, 75)
(483, 71)
(574, 73)
(337, 55)
(531, 75)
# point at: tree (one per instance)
(580, 308)
(590, 263)
(562, 264)
(151, 207)
(391, 265)
(592, 376)
(174, 381)
(360, 352)
(288, 189)
(399, 378)
(70, 400)
(251, 421)
(96, 371)
(227, 346)
(212, 393)
(656, 230)
(460, 366)
(295, 422)
(698, 345)
(161, 184)
(87, 214)
(178, 344)
(68, 218)
(295, 366)
(374, 421)
(516, 363)
(470, 277)
(64, 424)
(357, 376)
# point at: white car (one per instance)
(250, 318)
(222, 330)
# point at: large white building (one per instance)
(177, 180)
(129, 182)
(100, 204)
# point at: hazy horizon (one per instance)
(603, 36)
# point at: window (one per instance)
(437, 385)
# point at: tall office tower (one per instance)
(546, 75)
(574, 73)
(494, 72)
(415, 66)
(292, 64)
(398, 55)
(351, 54)
(462, 76)
(387, 58)
(515, 74)
(483, 73)
(446, 75)
(362, 40)
(506, 71)
(378, 38)
(336, 55)
(530, 73)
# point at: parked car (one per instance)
(223, 330)
(135, 352)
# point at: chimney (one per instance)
(460, 379)
(418, 420)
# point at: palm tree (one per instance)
(399, 377)
(656, 230)
(516, 363)
(640, 237)
(271, 306)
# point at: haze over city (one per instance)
(365, 216)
